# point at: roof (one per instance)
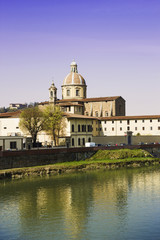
(74, 78)
(10, 114)
(71, 115)
(98, 99)
(129, 117)
(70, 104)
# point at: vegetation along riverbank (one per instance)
(106, 159)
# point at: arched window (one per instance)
(89, 139)
(68, 92)
(72, 141)
(51, 93)
(79, 141)
(77, 92)
(83, 141)
(79, 128)
(72, 127)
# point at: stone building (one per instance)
(74, 98)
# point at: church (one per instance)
(74, 98)
(82, 113)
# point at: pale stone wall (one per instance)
(10, 126)
(100, 109)
(5, 143)
(139, 126)
(73, 88)
(84, 136)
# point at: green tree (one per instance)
(53, 122)
(32, 121)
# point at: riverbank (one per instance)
(103, 159)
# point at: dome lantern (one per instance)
(74, 85)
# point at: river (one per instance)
(113, 204)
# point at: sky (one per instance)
(116, 44)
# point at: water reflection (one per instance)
(90, 205)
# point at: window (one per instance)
(112, 121)
(120, 109)
(100, 129)
(72, 127)
(120, 128)
(79, 141)
(136, 128)
(83, 141)
(96, 113)
(69, 108)
(51, 93)
(120, 121)
(89, 139)
(128, 128)
(13, 145)
(143, 120)
(150, 120)
(158, 128)
(5, 127)
(89, 128)
(105, 129)
(106, 114)
(77, 92)
(150, 128)
(143, 128)
(128, 122)
(86, 113)
(112, 128)
(135, 121)
(79, 128)
(105, 122)
(68, 92)
(72, 141)
(83, 128)
(158, 120)
(17, 127)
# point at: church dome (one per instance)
(74, 78)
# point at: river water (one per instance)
(113, 204)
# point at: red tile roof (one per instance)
(129, 117)
(71, 115)
(10, 114)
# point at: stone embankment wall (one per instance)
(39, 157)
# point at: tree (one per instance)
(32, 121)
(53, 122)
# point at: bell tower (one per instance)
(52, 93)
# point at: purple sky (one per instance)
(116, 44)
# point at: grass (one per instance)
(101, 158)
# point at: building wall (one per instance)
(135, 140)
(82, 135)
(72, 89)
(6, 142)
(99, 109)
(139, 126)
(10, 126)
(120, 107)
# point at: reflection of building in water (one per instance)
(72, 201)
